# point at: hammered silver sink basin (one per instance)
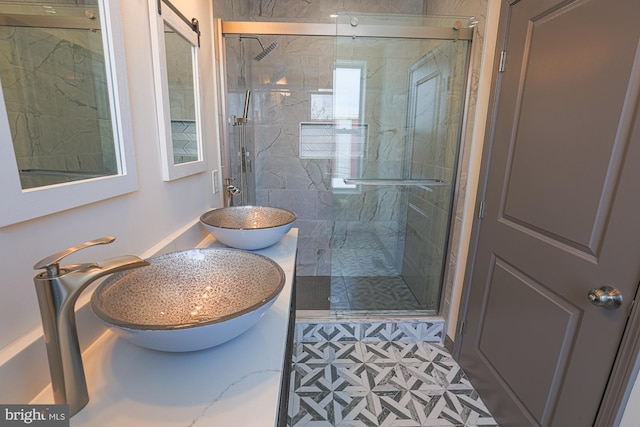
(248, 227)
(189, 300)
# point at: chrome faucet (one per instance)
(58, 289)
(230, 190)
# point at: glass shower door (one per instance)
(397, 114)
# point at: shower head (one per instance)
(264, 52)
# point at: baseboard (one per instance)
(448, 343)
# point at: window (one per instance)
(350, 131)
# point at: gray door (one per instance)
(562, 215)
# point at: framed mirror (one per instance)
(175, 44)
(65, 124)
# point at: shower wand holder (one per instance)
(236, 121)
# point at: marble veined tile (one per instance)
(343, 381)
(427, 330)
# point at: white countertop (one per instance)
(235, 384)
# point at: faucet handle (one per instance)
(52, 262)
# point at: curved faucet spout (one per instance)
(78, 277)
(57, 296)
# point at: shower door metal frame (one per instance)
(341, 30)
(458, 168)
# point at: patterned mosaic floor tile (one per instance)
(425, 330)
(378, 383)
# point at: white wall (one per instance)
(475, 159)
(139, 220)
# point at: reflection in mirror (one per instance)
(184, 133)
(56, 92)
(175, 42)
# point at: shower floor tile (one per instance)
(379, 293)
(380, 383)
(361, 262)
(354, 293)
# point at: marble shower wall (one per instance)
(319, 10)
(231, 10)
(376, 217)
(282, 85)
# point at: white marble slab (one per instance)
(235, 384)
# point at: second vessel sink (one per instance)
(189, 300)
(248, 227)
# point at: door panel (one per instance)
(561, 213)
(513, 300)
(571, 83)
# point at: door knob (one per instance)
(606, 296)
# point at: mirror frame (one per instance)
(161, 14)
(19, 204)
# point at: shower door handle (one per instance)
(393, 181)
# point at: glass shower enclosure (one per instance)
(356, 127)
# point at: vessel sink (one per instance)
(189, 300)
(248, 227)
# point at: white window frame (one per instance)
(337, 181)
(19, 204)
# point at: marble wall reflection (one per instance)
(184, 134)
(56, 94)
